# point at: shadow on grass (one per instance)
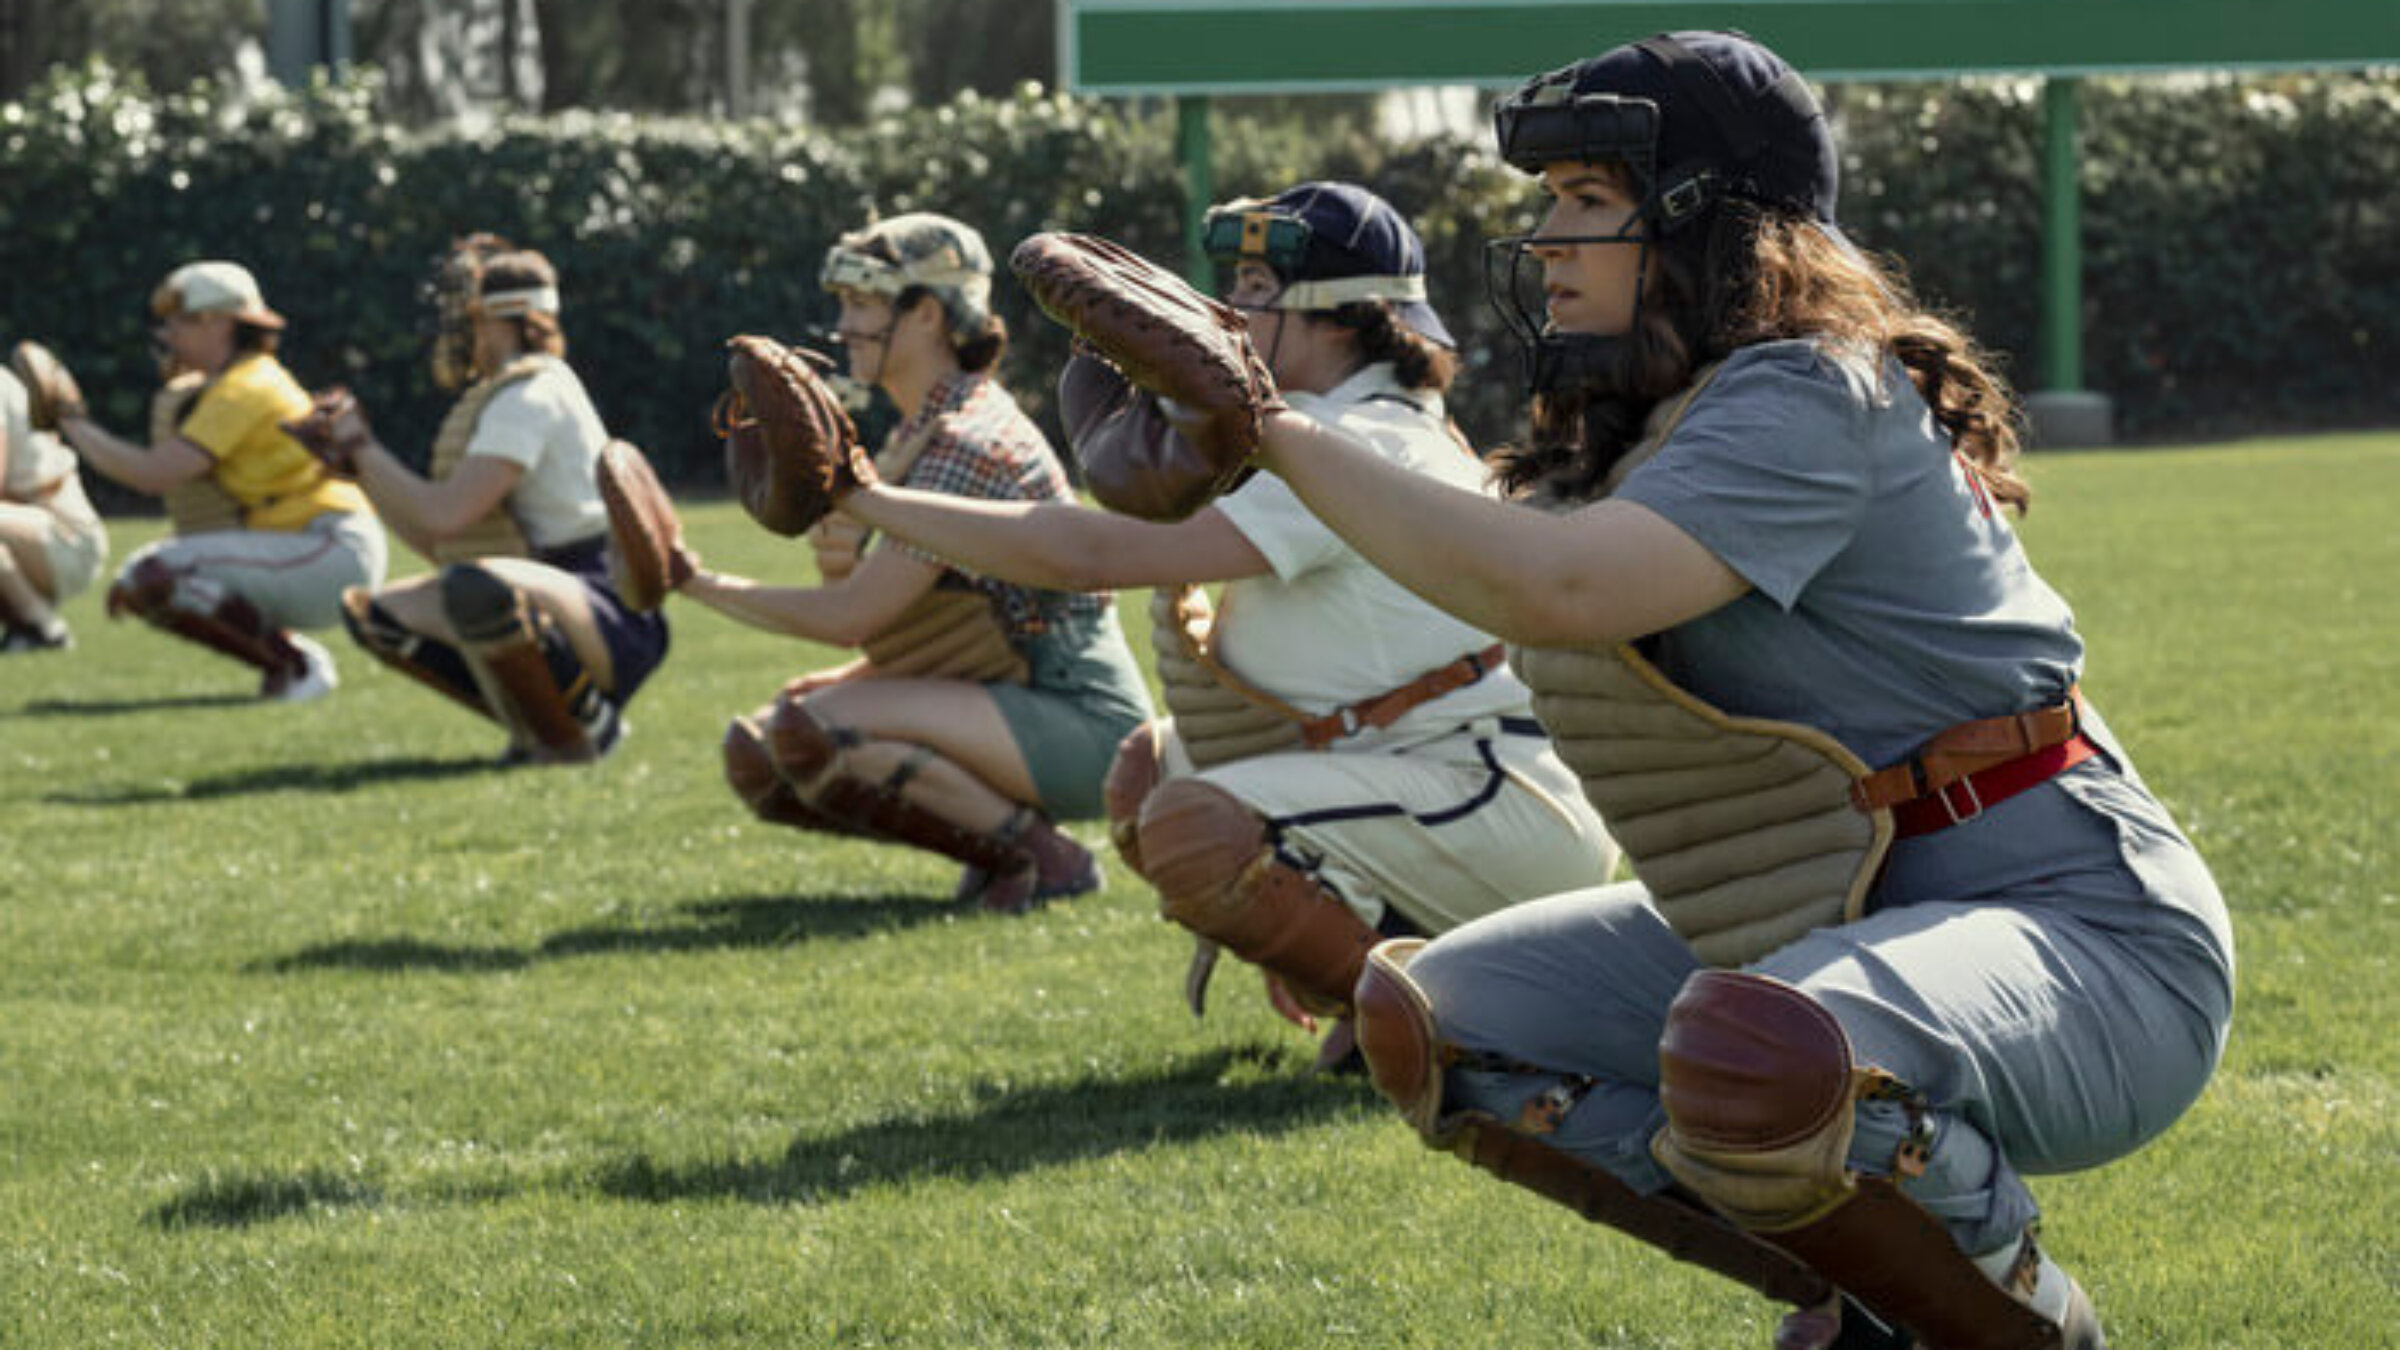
(698, 926)
(348, 777)
(118, 707)
(1014, 1131)
(239, 1201)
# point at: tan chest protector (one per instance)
(497, 534)
(1742, 829)
(949, 632)
(196, 505)
(1219, 717)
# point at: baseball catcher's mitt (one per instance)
(646, 554)
(791, 452)
(1192, 353)
(51, 394)
(334, 430)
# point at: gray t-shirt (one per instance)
(1891, 600)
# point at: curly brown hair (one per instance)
(525, 269)
(1759, 276)
(1417, 361)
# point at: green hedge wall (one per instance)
(2243, 260)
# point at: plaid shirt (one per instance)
(981, 444)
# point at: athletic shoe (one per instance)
(23, 638)
(1059, 867)
(314, 679)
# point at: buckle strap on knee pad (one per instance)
(435, 664)
(1407, 1059)
(811, 757)
(1761, 1092)
(506, 643)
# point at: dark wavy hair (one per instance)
(1419, 361)
(1752, 276)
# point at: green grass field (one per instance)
(315, 1030)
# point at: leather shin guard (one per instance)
(1405, 1058)
(433, 663)
(1208, 855)
(205, 613)
(808, 757)
(1132, 776)
(750, 772)
(502, 643)
(1760, 1092)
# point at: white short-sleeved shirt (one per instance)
(546, 424)
(36, 459)
(1327, 629)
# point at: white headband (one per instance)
(511, 304)
(1336, 291)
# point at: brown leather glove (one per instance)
(791, 450)
(335, 430)
(647, 557)
(1167, 459)
(51, 394)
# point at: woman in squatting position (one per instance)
(521, 623)
(1758, 460)
(303, 535)
(1436, 798)
(974, 769)
(52, 544)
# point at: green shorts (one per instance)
(1085, 695)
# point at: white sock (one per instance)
(2049, 1297)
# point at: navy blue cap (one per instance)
(1352, 236)
(1725, 118)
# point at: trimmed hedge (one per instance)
(2243, 261)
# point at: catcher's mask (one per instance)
(1696, 119)
(1329, 244)
(920, 250)
(455, 292)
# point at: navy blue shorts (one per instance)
(636, 642)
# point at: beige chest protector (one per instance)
(1219, 717)
(497, 534)
(1742, 829)
(949, 632)
(195, 505)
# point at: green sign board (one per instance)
(1261, 46)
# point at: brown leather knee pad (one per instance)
(1208, 855)
(1397, 1037)
(144, 591)
(1132, 776)
(435, 664)
(514, 653)
(749, 769)
(1760, 1092)
(1756, 1079)
(808, 756)
(750, 772)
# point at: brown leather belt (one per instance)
(1975, 765)
(1387, 708)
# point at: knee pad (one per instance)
(1758, 1085)
(811, 760)
(525, 668)
(1132, 776)
(1208, 855)
(749, 769)
(803, 749)
(480, 606)
(433, 663)
(1397, 1037)
(144, 590)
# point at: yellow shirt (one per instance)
(278, 483)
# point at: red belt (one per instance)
(1974, 766)
(1385, 709)
(1963, 799)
